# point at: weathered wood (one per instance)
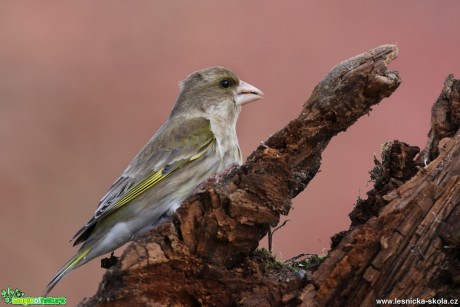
(410, 248)
(203, 256)
(399, 253)
(445, 119)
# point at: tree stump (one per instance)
(404, 239)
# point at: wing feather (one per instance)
(176, 144)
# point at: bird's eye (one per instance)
(224, 83)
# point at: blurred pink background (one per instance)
(84, 84)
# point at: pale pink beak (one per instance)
(246, 93)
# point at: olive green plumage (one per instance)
(196, 142)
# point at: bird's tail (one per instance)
(74, 262)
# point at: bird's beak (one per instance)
(246, 93)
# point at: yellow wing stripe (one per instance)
(153, 179)
(140, 188)
(78, 259)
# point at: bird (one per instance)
(197, 141)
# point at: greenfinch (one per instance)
(197, 141)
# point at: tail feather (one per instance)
(73, 263)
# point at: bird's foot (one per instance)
(109, 262)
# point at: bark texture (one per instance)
(206, 254)
(405, 237)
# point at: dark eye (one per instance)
(224, 83)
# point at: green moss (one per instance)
(308, 262)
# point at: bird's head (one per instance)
(214, 91)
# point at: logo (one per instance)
(16, 297)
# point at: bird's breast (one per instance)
(227, 146)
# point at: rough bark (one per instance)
(405, 238)
(410, 250)
(206, 254)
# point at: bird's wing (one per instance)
(176, 144)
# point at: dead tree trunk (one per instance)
(206, 254)
(405, 238)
